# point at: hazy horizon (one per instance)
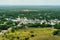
(30, 2)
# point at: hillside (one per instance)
(30, 34)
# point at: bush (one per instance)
(57, 32)
(15, 28)
(33, 25)
(4, 27)
(17, 37)
(46, 25)
(32, 35)
(31, 31)
(57, 26)
(27, 38)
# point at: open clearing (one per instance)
(31, 34)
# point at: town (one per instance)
(27, 21)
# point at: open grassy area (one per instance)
(31, 34)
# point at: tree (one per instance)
(57, 26)
(4, 27)
(57, 32)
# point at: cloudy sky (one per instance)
(29, 2)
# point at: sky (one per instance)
(29, 2)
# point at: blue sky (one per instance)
(29, 2)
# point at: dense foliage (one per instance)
(57, 32)
(42, 13)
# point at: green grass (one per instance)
(31, 34)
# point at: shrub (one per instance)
(17, 37)
(4, 27)
(57, 26)
(31, 31)
(57, 32)
(13, 29)
(32, 35)
(33, 25)
(27, 38)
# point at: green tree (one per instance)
(57, 26)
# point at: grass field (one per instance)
(31, 34)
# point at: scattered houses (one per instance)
(27, 21)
